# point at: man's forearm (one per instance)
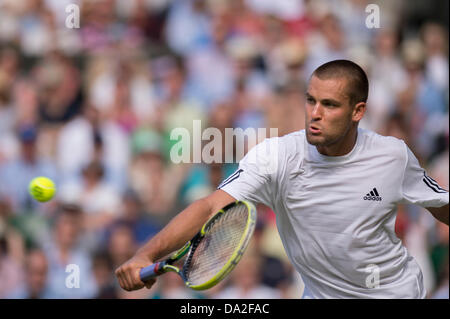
(180, 230)
(440, 213)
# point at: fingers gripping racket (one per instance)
(214, 251)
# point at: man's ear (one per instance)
(358, 111)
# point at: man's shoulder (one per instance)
(292, 140)
(389, 145)
(286, 143)
(277, 152)
(292, 144)
(294, 135)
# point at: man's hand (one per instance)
(128, 273)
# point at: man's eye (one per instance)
(310, 100)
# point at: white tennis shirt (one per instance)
(336, 215)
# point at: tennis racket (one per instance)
(214, 251)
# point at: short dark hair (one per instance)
(358, 84)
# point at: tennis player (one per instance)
(335, 192)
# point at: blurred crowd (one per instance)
(93, 108)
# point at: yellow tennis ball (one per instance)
(42, 189)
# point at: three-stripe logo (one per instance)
(373, 195)
(231, 178)
(431, 183)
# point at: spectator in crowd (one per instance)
(143, 224)
(99, 201)
(35, 285)
(434, 37)
(121, 244)
(9, 68)
(62, 249)
(121, 88)
(327, 43)
(102, 269)
(148, 175)
(11, 259)
(212, 59)
(188, 26)
(387, 79)
(88, 137)
(59, 88)
(203, 179)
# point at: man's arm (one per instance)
(180, 230)
(420, 189)
(440, 213)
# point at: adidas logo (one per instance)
(373, 195)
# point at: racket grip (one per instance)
(151, 271)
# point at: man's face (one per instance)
(329, 115)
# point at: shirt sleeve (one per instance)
(255, 179)
(419, 188)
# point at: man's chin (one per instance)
(315, 140)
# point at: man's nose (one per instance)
(316, 113)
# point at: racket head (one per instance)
(219, 245)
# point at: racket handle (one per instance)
(151, 271)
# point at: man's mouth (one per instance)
(314, 130)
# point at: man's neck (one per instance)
(341, 147)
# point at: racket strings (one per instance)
(218, 245)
